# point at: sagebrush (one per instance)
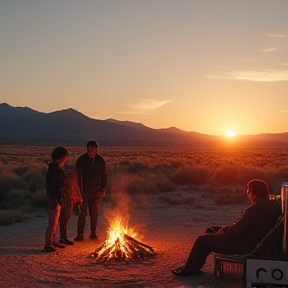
(221, 174)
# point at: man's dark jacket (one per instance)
(92, 175)
(252, 224)
(240, 237)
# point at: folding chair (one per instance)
(233, 265)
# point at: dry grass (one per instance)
(12, 216)
(219, 174)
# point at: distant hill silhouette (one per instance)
(25, 126)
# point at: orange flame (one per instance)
(121, 245)
(116, 236)
(115, 240)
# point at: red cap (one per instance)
(259, 187)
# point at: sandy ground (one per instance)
(169, 229)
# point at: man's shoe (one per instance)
(93, 236)
(185, 271)
(79, 237)
(57, 245)
(49, 249)
(66, 241)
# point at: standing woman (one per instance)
(54, 183)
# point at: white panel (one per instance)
(266, 271)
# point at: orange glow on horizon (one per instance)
(230, 133)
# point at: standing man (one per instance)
(92, 176)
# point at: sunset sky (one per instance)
(198, 65)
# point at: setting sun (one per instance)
(230, 133)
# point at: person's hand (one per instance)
(61, 202)
(212, 230)
(101, 192)
(76, 209)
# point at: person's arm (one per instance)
(53, 183)
(244, 223)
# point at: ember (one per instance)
(120, 246)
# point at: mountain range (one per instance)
(25, 126)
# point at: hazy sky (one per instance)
(198, 65)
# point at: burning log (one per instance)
(140, 250)
(123, 248)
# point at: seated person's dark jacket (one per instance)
(252, 225)
(92, 176)
(54, 182)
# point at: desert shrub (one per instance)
(10, 181)
(35, 179)
(174, 164)
(3, 168)
(124, 163)
(140, 184)
(246, 173)
(164, 184)
(273, 180)
(172, 200)
(148, 170)
(20, 170)
(271, 175)
(133, 167)
(227, 174)
(38, 199)
(283, 173)
(228, 195)
(14, 198)
(163, 168)
(132, 184)
(8, 217)
(197, 175)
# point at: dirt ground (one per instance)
(169, 229)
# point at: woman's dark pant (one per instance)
(65, 214)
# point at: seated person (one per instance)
(241, 236)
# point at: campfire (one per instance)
(121, 245)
